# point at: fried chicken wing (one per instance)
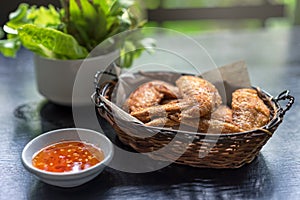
(163, 122)
(150, 94)
(222, 113)
(220, 121)
(200, 93)
(249, 111)
(216, 126)
(199, 107)
(200, 98)
(146, 114)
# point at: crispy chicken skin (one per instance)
(146, 114)
(163, 122)
(222, 113)
(200, 98)
(150, 94)
(199, 107)
(249, 111)
(220, 121)
(216, 126)
(204, 94)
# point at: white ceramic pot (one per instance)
(68, 82)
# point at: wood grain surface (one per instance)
(273, 61)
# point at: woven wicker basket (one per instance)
(194, 149)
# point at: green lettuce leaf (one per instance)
(50, 42)
(74, 30)
(119, 6)
(19, 17)
(45, 17)
(10, 47)
(42, 16)
(86, 21)
(104, 4)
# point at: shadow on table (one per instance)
(50, 116)
(47, 115)
(54, 116)
(175, 181)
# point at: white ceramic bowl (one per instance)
(67, 179)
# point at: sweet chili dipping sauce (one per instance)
(68, 156)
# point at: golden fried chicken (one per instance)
(156, 103)
(201, 94)
(249, 111)
(164, 110)
(216, 126)
(222, 113)
(220, 121)
(150, 94)
(163, 122)
(200, 98)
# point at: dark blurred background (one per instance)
(202, 15)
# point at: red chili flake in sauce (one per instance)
(69, 156)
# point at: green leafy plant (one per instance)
(74, 30)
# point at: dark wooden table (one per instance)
(273, 59)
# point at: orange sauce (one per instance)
(68, 156)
